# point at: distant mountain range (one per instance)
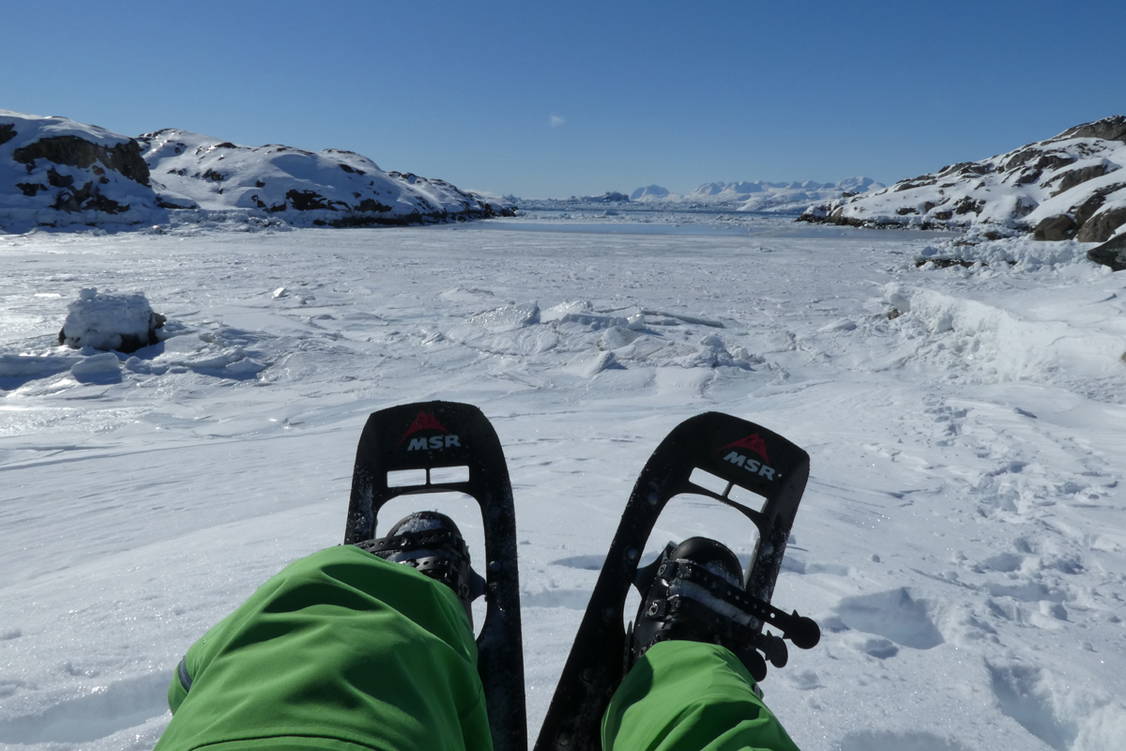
(758, 195)
(59, 172)
(774, 197)
(1069, 186)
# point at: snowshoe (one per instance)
(693, 591)
(438, 447)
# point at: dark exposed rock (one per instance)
(370, 204)
(1029, 177)
(945, 263)
(213, 176)
(915, 182)
(1102, 225)
(86, 198)
(1071, 178)
(31, 189)
(1058, 227)
(1110, 128)
(76, 152)
(164, 203)
(1091, 206)
(967, 205)
(306, 200)
(58, 180)
(1111, 253)
(1019, 159)
(225, 145)
(351, 169)
(7, 133)
(904, 211)
(1054, 161)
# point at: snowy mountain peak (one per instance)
(650, 193)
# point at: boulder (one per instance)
(1058, 227)
(1102, 225)
(1111, 253)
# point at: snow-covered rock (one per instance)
(55, 171)
(107, 320)
(1068, 186)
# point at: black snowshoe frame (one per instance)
(417, 439)
(744, 455)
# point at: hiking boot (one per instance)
(695, 592)
(431, 542)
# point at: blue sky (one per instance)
(543, 99)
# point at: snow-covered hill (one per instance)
(58, 172)
(328, 187)
(1068, 186)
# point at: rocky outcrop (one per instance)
(124, 158)
(58, 172)
(1066, 187)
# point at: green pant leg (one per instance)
(341, 650)
(689, 696)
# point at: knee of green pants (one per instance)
(340, 646)
(690, 696)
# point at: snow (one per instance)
(961, 541)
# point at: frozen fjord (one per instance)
(961, 540)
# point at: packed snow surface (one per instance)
(962, 540)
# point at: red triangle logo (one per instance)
(753, 443)
(424, 421)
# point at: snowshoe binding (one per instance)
(694, 592)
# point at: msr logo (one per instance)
(754, 444)
(426, 421)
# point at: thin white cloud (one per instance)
(556, 121)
